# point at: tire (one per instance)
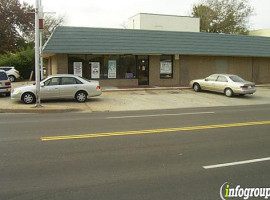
(12, 78)
(197, 87)
(228, 92)
(81, 96)
(8, 94)
(28, 98)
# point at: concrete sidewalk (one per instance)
(139, 98)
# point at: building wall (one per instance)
(251, 69)
(62, 63)
(164, 22)
(134, 22)
(119, 82)
(154, 73)
(54, 64)
(261, 70)
(194, 67)
(185, 69)
(242, 66)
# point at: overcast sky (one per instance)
(107, 13)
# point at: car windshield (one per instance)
(3, 76)
(236, 79)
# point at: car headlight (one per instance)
(16, 91)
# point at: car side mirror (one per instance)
(206, 79)
(42, 84)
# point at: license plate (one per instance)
(250, 87)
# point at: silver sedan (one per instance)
(59, 86)
(228, 84)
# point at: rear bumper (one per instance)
(95, 93)
(5, 89)
(247, 91)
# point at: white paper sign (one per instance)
(95, 69)
(112, 69)
(165, 67)
(77, 68)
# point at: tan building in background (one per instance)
(147, 21)
(260, 32)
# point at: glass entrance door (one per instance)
(143, 70)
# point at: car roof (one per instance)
(224, 74)
(63, 75)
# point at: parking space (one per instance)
(169, 99)
(146, 99)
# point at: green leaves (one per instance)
(17, 23)
(223, 16)
(23, 61)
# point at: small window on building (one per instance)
(166, 66)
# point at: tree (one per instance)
(223, 16)
(23, 61)
(17, 24)
(50, 23)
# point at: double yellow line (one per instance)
(191, 128)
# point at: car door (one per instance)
(221, 83)
(69, 87)
(50, 88)
(209, 82)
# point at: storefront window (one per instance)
(77, 65)
(127, 68)
(111, 63)
(96, 67)
(166, 66)
(104, 66)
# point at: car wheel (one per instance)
(81, 96)
(12, 78)
(196, 87)
(228, 92)
(28, 98)
(8, 94)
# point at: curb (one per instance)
(39, 110)
(158, 88)
(144, 89)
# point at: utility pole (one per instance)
(37, 68)
(41, 17)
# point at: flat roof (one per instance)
(163, 15)
(75, 40)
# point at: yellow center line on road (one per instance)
(191, 128)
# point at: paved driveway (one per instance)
(169, 99)
(143, 100)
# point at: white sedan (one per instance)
(59, 86)
(228, 84)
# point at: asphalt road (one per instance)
(133, 155)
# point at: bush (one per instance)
(23, 61)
